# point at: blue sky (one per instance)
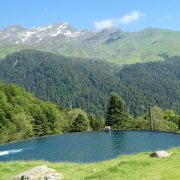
(128, 15)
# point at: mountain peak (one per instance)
(17, 27)
(111, 29)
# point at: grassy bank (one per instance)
(134, 167)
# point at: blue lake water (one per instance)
(88, 146)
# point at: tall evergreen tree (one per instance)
(92, 121)
(117, 115)
(80, 124)
(99, 124)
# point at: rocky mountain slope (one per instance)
(111, 44)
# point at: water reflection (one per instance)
(118, 141)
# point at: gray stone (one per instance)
(160, 154)
(93, 170)
(53, 176)
(35, 173)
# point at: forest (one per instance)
(22, 116)
(87, 84)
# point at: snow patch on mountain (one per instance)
(45, 28)
(20, 35)
(6, 36)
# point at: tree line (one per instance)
(118, 118)
(23, 116)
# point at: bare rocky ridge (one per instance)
(59, 37)
(20, 35)
(62, 31)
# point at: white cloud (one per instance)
(104, 24)
(126, 19)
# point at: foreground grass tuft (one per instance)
(135, 167)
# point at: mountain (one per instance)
(22, 116)
(53, 37)
(72, 82)
(9, 48)
(111, 44)
(18, 34)
(87, 84)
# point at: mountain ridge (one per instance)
(111, 44)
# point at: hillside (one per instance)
(157, 82)
(71, 82)
(86, 83)
(22, 116)
(110, 44)
(8, 48)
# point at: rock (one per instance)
(35, 173)
(93, 170)
(53, 176)
(160, 154)
(51, 170)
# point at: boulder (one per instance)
(39, 172)
(93, 170)
(53, 176)
(160, 154)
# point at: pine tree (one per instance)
(80, 124)
(92, 122)
(99, 124)
(116, 113)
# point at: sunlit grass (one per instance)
(10, 48)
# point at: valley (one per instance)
(89, 90)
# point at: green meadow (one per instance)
(132, 167)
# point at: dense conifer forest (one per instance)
(87, 84)
(72, 82)
(22, 116)
(157, 83)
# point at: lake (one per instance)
(88, 147)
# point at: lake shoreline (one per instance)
(81, 132)
(89, 147)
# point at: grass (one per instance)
(142, 46)
(11, 48)
(133, 167)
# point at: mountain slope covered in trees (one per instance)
(159, 82)
(85, 83)
(22, 116)
(71, 82)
